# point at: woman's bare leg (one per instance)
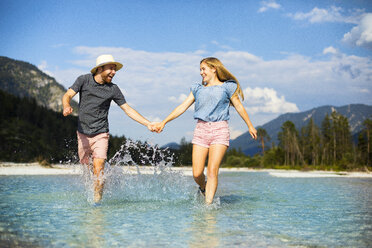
(216, 153)
(199, 156)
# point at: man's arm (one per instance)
(66, 99)
(133, 114)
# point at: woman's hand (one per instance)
(253, 132)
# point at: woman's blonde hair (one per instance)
(222, 73)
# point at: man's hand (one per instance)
(67, 111)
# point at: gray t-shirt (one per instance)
(94, 103)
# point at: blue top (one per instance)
(212, 102)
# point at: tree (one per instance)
(311, 142)
(262, 136)
(288, 141)
(368, 132)
(326, 140)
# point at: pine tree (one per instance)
(368, 132)
(262, 136)
(288, 141)
(326, 140)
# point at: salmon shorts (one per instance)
(94, 146)
(210, 133)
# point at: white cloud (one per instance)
(332, 14)
(266, 5)
(330, 50)
(234, 133)
(224, 47)
(43, 67)
(154, 118)
(178, 99)
(365, 91)
(361, 35)
(266, 100)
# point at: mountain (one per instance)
(23, 79)
(355, 113)
(172, 145)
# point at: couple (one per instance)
(219, 89)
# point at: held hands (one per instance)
(156, 126)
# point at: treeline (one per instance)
(31, 133)
(329, 147)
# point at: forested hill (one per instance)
(26, 80)
(32, 133)
(355, 113)
(29, 132)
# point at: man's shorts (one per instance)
(209, 133)
(94, 146)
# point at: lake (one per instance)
(164, 209)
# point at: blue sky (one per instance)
(289, 56)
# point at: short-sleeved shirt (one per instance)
(94, 103)
(212, 102)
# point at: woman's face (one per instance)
(207, 72)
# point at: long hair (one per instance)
(222, 73)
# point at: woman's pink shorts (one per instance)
(95, 146)
(209, 133)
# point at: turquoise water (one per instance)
(252, 209)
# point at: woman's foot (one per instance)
(202, 191)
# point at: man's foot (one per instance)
(98, 192)
(97, 197)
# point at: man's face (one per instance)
(108, 72)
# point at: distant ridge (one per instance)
(172, 145)
(355, 113)
(23, 79)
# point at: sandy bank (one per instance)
(8, 168)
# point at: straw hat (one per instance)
(106, 59)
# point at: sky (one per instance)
(289, 56)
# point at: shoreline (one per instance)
(13, 169)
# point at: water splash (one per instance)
(140, 172)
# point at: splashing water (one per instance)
(151, 180)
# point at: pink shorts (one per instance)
(209, 133)
(95, 146)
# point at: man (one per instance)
(96, 91)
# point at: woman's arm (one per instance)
(179, 110)
(243, 113)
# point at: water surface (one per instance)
(252, 209)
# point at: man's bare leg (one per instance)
(98, 167)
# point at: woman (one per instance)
(219, 89)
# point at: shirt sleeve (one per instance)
(194, 88)
(119, 98)
(78, 83)
(231, 87)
